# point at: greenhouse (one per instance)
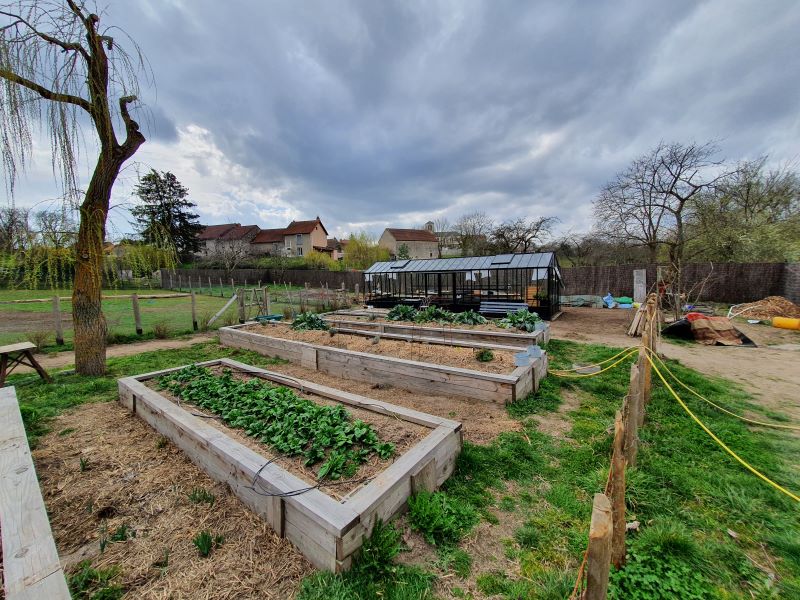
(487, 284)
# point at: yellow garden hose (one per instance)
(569, 373)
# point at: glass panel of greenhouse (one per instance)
(460, 284)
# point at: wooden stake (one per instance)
(631, 420)
(194, 312)
(221, 289)
(240, 294)
(599, 556)
(210, 289)
(136, 316)
(267, 303)
(57, 320)
(618, 494)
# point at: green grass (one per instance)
(173, 314)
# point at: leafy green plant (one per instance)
(202, 496)
(207, 543)
(469, 317)
(484, 355)
(402, 312)
(276, 416)
(88, 583)
(440, 519)
(307, 321)
(434, 313)
(122, 533)
(456, 560)
(522, 319)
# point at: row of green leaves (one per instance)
(307, 321)
(276, 416)
(403, 312)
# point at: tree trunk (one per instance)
(87, 313)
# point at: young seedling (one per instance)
(84, 463)
(201, 495)
(206, 543)
(162, 442)
(122, 533)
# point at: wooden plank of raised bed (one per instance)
(420, 339)
(30, 560)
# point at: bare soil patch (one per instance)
(133, 477)
(25, 321)
(557, 424)
(453, 356)
(402, 434)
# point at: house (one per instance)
(268, 242)
(449, 241)
(211, 235)
(335, 248)
(301, 237)
(420, 243)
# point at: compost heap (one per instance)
(769, 307)
(708, 330)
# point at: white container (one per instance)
(534, 351)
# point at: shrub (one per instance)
(40, 339)
(161, 330)
(307, 321)
(440, 519)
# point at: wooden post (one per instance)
(210, 289)
(57, 320)
(179, 283)
(221, 289)
(632, 417)
(240, 294)
(233, 291)
(170, 282)
(618, 494)
(267, 303)
(194, 312)
(599, 555)
(190, 283)
(136, 316)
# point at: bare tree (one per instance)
(231, 253)
(15, 233)
(521, 235)
(442, 229)
(473, 231)
(55, 55)
(56, 228)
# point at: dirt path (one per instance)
(770, 372)
(59, 360)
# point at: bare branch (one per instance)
(44, 92)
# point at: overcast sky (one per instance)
(375, 113)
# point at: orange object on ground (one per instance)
(786, 323)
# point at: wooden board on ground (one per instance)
(325, 530)
(31, 567)
(407, 374)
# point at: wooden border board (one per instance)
(326, 531)
(444, 335)
(31, 568)
(411, 375)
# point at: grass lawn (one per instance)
(708, 528)
(161, 317)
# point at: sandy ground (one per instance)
(771, 372)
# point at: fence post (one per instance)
(210, 289)
(180, 286)
(599, 554)
(633, 406)
(645, 370)
(267, 303)
(618, 494)
(240, 293)
(137, 318)
(233, 291)
(194, 312)
(57, 320)
(170, 282)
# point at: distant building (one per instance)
(298, 239)
(269, 242)
(335, 248)
(301, 237)
(449, 241)
(421, 243)
(214, 238)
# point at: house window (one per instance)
(299, 251)
(299, 239)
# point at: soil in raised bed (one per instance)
(135, 477)
(439, 354)
(403, 434)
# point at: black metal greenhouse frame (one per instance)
(460, 284)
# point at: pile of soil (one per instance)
(452, 356)
(769, 307)
(402, 434)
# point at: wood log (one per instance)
(618, 493)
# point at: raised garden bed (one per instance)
(326, 528)
(415, 375)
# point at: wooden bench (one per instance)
(31, 568)
(501, 308)
(19, 354)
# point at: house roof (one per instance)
(269, 236)
(239, 232)
(296, 227)
(537, 260)
(214, 232)
(412, 235)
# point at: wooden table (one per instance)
(19, 354)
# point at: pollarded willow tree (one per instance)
(61, 70)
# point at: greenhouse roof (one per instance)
(538, 260)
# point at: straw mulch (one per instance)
(135, 477)
(768, 308)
